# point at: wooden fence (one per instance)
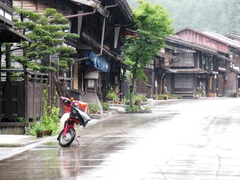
(22, 101)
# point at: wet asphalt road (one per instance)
(180, 140)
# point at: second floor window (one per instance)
(185, 60)
(7, 3)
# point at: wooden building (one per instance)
(195, 64)
(226, 62)
(10, 104)
(194, 71)
(102, 26)
(100, 64)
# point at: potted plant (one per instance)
(162, 96)
(112, 96)
(50, 116)
(48, 128)
(175, 96)
(138, 100)
(105, 106)
(133, 109)
(93, 108)
(39, 129)
(155, 96)
(144, 98)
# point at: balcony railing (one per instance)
(6, 12)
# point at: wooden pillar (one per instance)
(75, 76)
(26, 117)
(0, 86)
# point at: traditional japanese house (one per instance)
(225, 64)
(236, 57)
(9, 100)
(102, 26)
(206, 64)
(193, 63)
(191, 68)
(102, 35)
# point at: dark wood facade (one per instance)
(101, 29)
(196, 63)
(21, 101)
(146, 88)
(102, 36)
(11, 101)
(225, 62)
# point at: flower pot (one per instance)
(39, 134)
(138, 102)
(47, 132)
(93, 112)
(210, 94)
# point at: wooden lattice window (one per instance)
(184, 60)
(183, 81)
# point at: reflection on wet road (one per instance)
(186, 139)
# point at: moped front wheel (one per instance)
(66, 140)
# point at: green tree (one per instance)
(48, 32)
(152, 24)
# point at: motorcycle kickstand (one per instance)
(77, 141)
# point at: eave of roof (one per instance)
(165, 55)
(9, 34)
(209, 35)
(124, 6)
(94, 4)
(196, 46)
(183, 70)
(193, 45)
(222, 39)
(88, 40)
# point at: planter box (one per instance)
(47, 132)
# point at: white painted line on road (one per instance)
(19, 150)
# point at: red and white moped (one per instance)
(75, 115)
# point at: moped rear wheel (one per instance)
(66, 140)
